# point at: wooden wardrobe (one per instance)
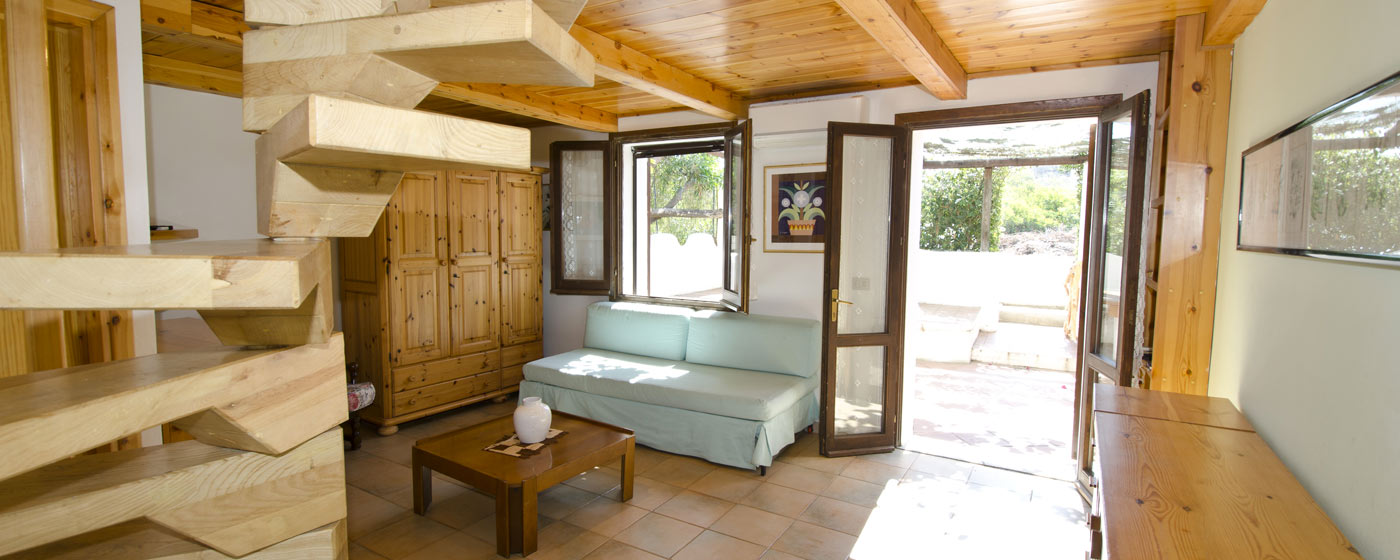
(441, 305)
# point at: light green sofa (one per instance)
(726, 387)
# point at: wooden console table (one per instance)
(1184, 476)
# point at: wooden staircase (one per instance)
(332, 84)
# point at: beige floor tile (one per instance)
(680, 471)
(367, 512)
(646, 493)
(442, 491)
(858, 492)
(659, 535)
(715, 546)
(597, 480)
(870, 471)
(561, 500)
(606, 516)
(397, 448)
(358, 552)
(836, 514)
(485, 528)
(566, 541)
(815, 543)
(457, 546)
(725, 485)
(462, 510)
(898, 458)
(812, 459)
(799, 478)
(777, 555)
(404, 537)
(695, 508)
(779, 499)
(753, 525)
(942, 466)
(1010, 480)
(613, 550)
(375, 475)
(646, 458)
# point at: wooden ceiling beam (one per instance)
(206, 23)
(188, 75)
(518, 100)
(903, 30)
(630, 67)
(1227, 19)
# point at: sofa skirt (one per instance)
(729, 441)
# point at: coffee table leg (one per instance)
(529, 517)
(628, 468)
(422, 489)
(502, 519)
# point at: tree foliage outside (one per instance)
(686, 182)
(1356, 200)
(951, 213)
(1042, 198)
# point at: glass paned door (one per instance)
(868, 186)
(1113, 228)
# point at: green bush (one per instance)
(1029, 204)
(951, 213)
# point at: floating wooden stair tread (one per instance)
(563, 12)
(278, 397)
(300, 12)
(502, 41)
(332, 132)
(233, 501)
(253, 274)
(144, 540)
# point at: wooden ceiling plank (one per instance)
(906, 33)
(191, 76)
(627, 66)
(1227, 19)
(518, 100)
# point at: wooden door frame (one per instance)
(895, 298)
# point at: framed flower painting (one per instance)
(795, 208)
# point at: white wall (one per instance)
(1306, 346)
(790, 284)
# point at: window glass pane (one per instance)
(737, 227)
(678, 220)
(1115, 226)
(865, 233)
(860, 389)
(581, 214)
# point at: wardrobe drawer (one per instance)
(443, 393)
(429, 373)
(521, 353)
(512, 375)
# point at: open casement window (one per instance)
(660, 216)
(582, 217)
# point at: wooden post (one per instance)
(1193, 187)
(31, 139)
(986, 209)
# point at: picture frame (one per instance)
(1329, 186)
(781, 183)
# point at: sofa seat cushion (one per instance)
(736, 393)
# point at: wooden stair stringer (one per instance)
(145, 540)
(329, 166)
(55, 414)
(233, 501)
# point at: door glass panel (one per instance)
(865, 234)
(581, 214)
(737, 228)
(1115, 226)
(860, 389)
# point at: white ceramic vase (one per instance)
(532, 420)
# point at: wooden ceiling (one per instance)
(744, 50)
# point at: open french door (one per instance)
(863, 308)
(738, 145)
(1113, 232)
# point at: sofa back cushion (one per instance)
(755, 342)
(646, 330)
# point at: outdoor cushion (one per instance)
(701, 388)
(647, 330)
(755, 342)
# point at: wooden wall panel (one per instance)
(1194, 185)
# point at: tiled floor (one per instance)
(1010, 417)
(897, 505)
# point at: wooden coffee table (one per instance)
(516, 482)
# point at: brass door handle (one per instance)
(835, 301)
